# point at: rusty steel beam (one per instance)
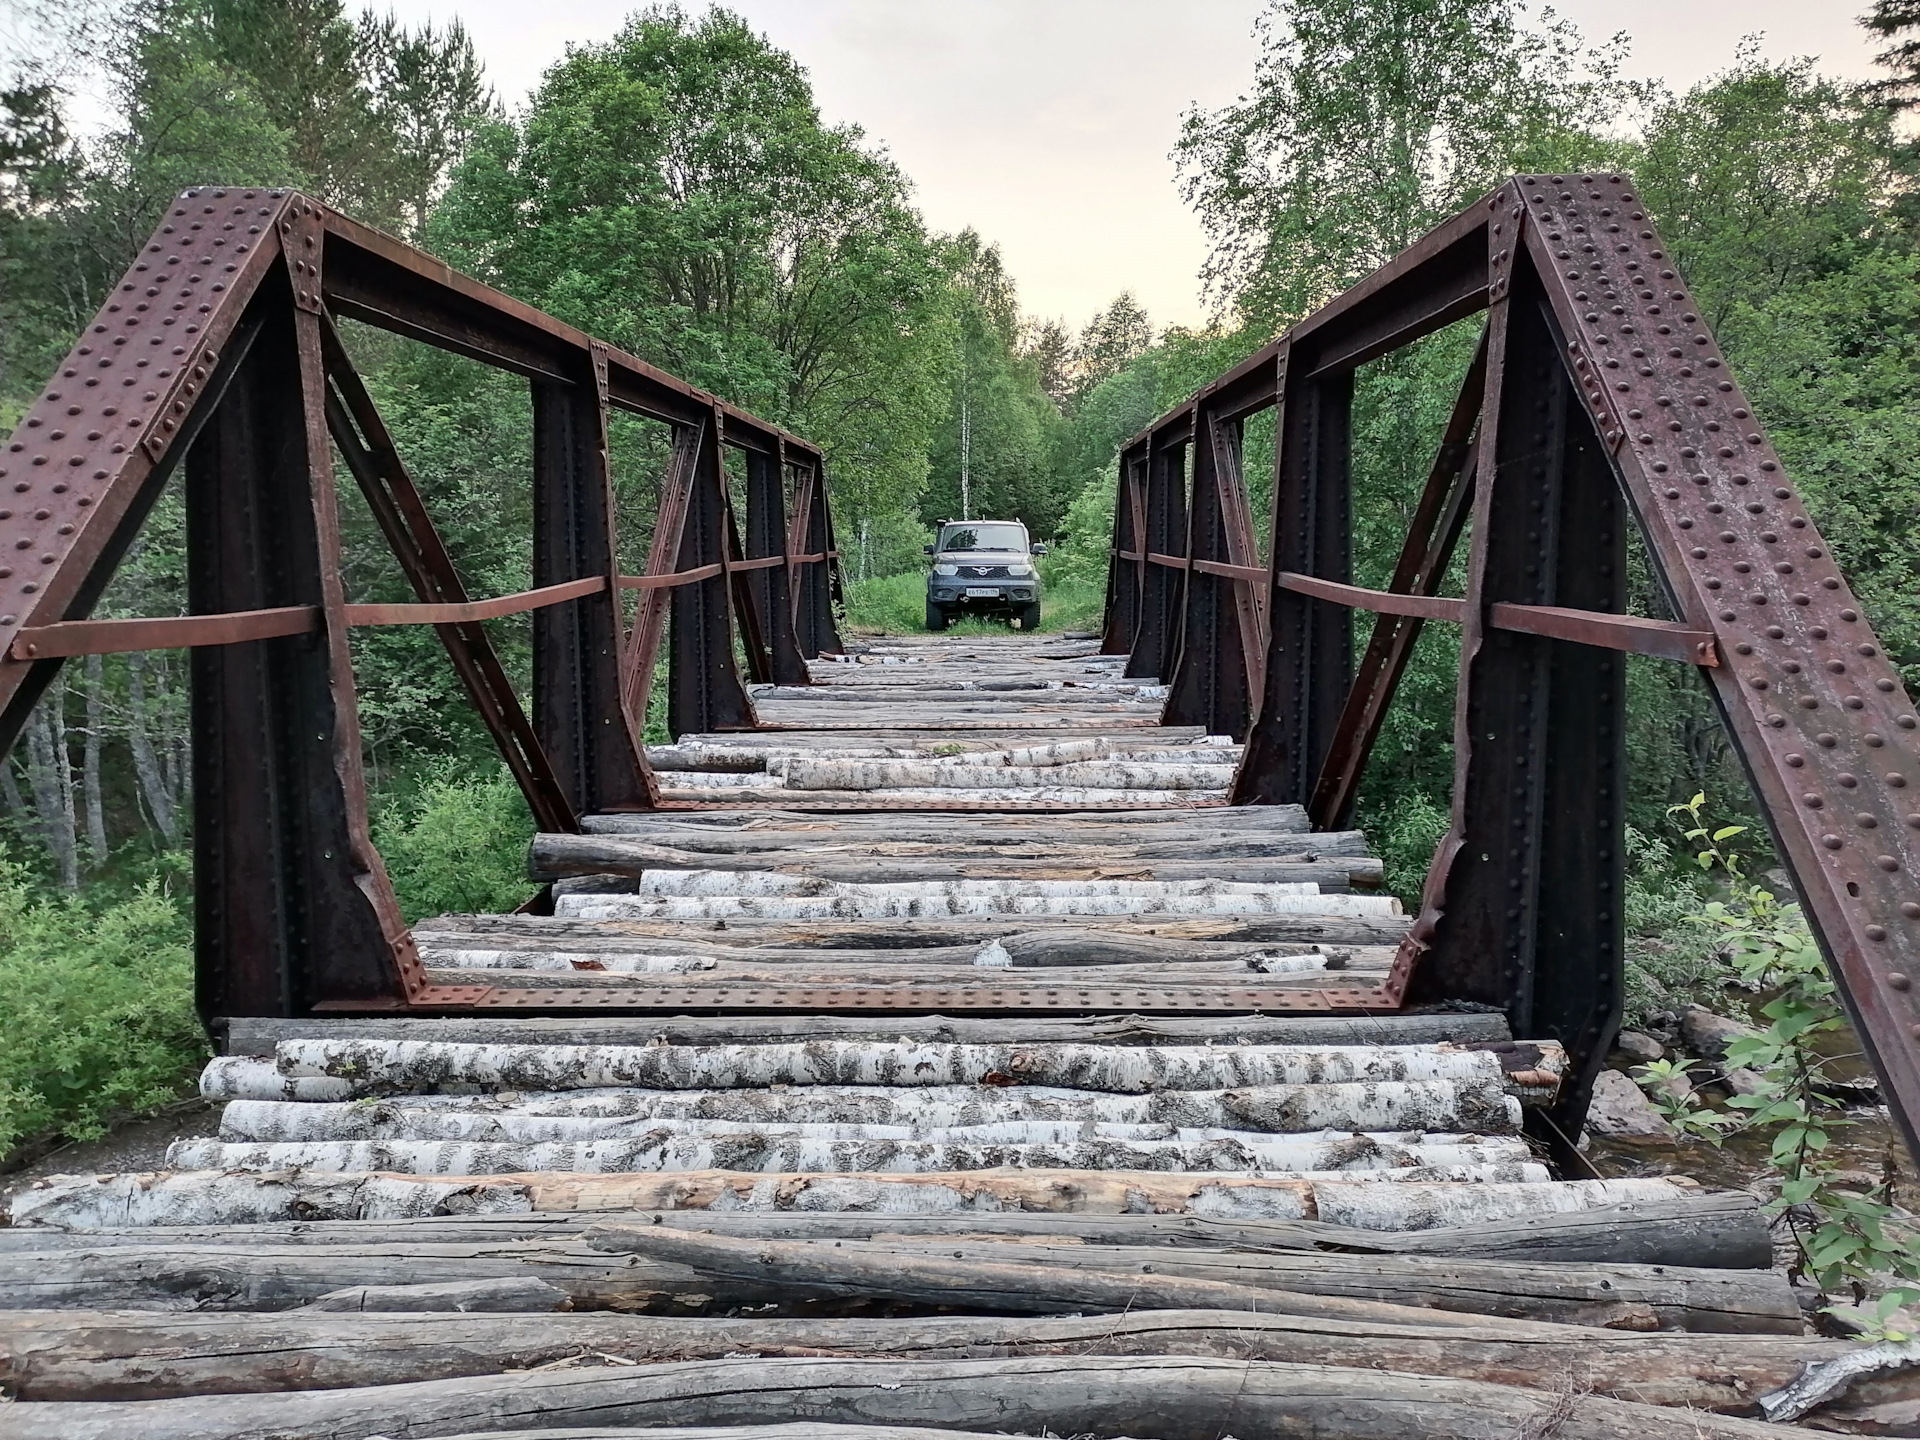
(1309, 655)
(770, 567)
(1214, 682)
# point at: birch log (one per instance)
(413, 1064)
(906, 902)
(662, 1151)
(910, 774)
(1477, 1107)
(213, 1197)
(1169, 1398)
(134, 1355)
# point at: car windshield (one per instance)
(985, 537)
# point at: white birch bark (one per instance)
(1126, 1069)
(1476, 1106)
(92, 799)
(212, 1197)
(1098, 775)
(780, 1154)
(888, 903)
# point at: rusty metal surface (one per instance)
(119, 637)
(987, 998)
(1575, 277)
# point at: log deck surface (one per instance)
(1025, 1086)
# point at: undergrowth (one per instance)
(896, 605)
(1846, 1237)
(96, 1006)
(457, 844)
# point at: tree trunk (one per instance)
(50, 775)
(154, 787)
(96, 682)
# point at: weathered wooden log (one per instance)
(917, 840)
(556, 856)
(1719, 1231)
(987, 1275)
(937, 930)
(931, 798)
(1237, 820)
(213, 1197)
(257, 1036)
(414, 1064)
(1474, 1107)
(908, 902)
(132, 1355)
(164, 1276)
(1168, 1398)
(1188, 962)
(1054, 947)
(911, 774)
(509, 1294)
(662, 1149)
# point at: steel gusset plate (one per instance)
(1827, 733)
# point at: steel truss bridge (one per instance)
(1597, 406)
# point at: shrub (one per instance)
(457, 844)
(96, 1004)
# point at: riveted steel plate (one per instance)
(1829, 735)
(78, 460)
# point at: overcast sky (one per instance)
(1046, 124)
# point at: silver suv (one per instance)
(983, 567)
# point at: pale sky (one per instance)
(1047, 124)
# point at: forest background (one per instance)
(675, 191)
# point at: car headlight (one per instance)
(946, 569)
(1020, 572)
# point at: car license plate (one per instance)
(975, 592)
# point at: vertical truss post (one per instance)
(773, 588)
(1166, 534)
(291, 902)
(1524, 907)
(704, 692)
(1126, 577)
(1223, 625)
(1432, 534)
(592, 742)
(1309, 655)
(815, 597)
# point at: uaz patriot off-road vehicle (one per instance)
(983, 567)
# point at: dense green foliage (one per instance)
(458, 844)
(96, 1004)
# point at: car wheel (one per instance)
(1029, 616)
(936, 617)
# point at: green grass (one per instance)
(896, 605)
